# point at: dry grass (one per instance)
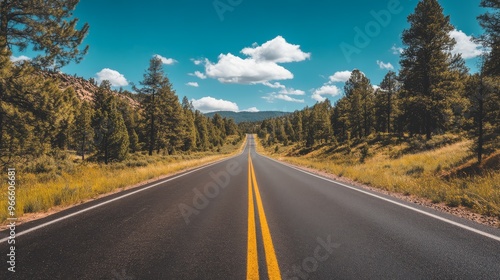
(395, 168)
(84, 181)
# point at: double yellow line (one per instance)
(273, 269)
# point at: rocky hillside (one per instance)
(84, 89)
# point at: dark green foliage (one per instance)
(240, 117)
(429, 85)
(48, 26)
(83, 133)
(111, 137)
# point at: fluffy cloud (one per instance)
(340, 76)
(164, 60)
(331, 90)
(465, 45)
(397, 50)
(277, 50)
(260, 66)
(198, 74)
(292, 91)
(193, 84)
(235, 70)
(252, 110)
(210, 104)
(279, 96)
(197, 61)
(114, 77)
(274, 85)
(15, 59)
(387, 66)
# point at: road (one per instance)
(250, 217)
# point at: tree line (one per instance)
(38, 119)
(433, 93)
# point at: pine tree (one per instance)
(155, 83)
(190, 131)
(385, 102)
(490, 21)
(203, 139)
(359, 93)
(110, 133)
(82, 131)
(426, 62)
(49, 27)
(485, 110)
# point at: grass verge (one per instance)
(438, 173)
(48, 184)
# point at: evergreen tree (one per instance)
(359, 93)
(190, 131)
(83, 132)
(485, 111)
(428, 83)
(162, 110)
(385, 102)
(111, 137)
(47, 26)
(203, 139)
(490, 21)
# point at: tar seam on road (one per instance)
(471, 229)
(115, 199)
(273, 269)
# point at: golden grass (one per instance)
(410, 174)
(36, 193)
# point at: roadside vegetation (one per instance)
(443, 170)
(66, 180)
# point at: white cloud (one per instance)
(465, 45)
(196, 61)
(279, 96)
(164, 60)
(210, 104)
(397, 50)
(198, 74)
(375, 87)
(274, 85)
(340, 76)
(387, 66)
(20, 58)
(114, 77)
(252, 110)
(331, 90)
(261, 65)
(193, 84)
(235, 70)
(292, 91)
(277, 50)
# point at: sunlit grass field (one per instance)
(48, 183)
(439, 172)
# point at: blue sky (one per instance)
(254, 54)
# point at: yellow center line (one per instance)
(273, 269)
(252, 259)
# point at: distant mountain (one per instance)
(248, 116)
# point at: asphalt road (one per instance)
(203, 224)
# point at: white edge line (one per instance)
(485, 234)
(118, 198)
